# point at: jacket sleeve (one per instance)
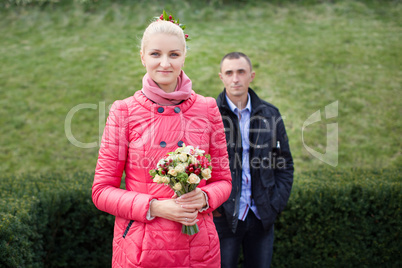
(284, 172)
(219, 186)
(106, 193)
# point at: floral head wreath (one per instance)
(165, 16)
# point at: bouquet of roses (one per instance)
(183, 170)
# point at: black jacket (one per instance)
(271, 177)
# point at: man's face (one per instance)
(236, 76)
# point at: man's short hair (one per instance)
(236, 55)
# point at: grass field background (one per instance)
(306, 56)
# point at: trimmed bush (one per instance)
(341, 219)
(54, 223)
(333, 219)
(15, 235)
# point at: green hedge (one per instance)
(342, 219)
(50, 221)
(333, 219)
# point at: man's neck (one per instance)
(239, 102)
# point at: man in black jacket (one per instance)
(261, 165)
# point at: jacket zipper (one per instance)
(128, 228)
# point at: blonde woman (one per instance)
(140, 130)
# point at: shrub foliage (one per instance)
(50, 221)
(333, 219)
(341, 219)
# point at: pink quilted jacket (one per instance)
(137, 135)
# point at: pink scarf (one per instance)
(156, 94)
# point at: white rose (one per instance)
(183, 157)
(171, 157)
(179, 168)
(206, 173)
(177, 186)
(165, 180)
(157, 179)
(193, 179)
(172, 172)
(193, 160)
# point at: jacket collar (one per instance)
(234, 108)
(152, 106)
(256, 103)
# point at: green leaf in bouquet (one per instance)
(182, 177)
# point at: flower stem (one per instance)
(190, 230)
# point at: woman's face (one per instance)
(163, 56)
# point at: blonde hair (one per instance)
(162, 26)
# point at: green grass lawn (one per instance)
(54, 58)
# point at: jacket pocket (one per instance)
(128, 228)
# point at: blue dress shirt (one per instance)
(246, 201)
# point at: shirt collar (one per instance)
(234, 108)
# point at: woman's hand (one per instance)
(173, 211)
(194, 200)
